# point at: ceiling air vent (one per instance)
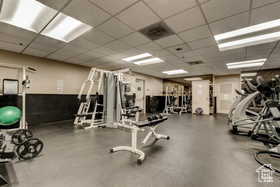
(192, 63)
(157, 31)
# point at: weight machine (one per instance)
(185, 105)
(170, 100)
(92, 111)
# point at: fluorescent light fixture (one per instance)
(175, 72)
(248, 30)
(246, 64)
(193, 79)
(65, 28)
(249, 74)
(248, 79)
(137, 57)
(148, 61)
(261, 39)
(34, 16)
(27, 14)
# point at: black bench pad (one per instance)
(147, 123)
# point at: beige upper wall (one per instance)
(51, 73)
(153, 86)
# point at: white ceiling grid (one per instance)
(117, 22)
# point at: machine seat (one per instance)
(147, 123)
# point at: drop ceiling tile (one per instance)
(202, 43)
(162, 53)
(46, 44)
(276, 53)
(259, 3)
(116, 57)
(185, 20)
(208, 52)
(115, 28)
(131, 52)
(13, 39)
(235, 53)
(35, 52)
(271, 65)
(101, 52)
(81, 59)
(229, 24)
(98, 37)
(24, 35)
(135, 39)
(83, 43)
(189, 54)
(195, 34)
(221, 60)
(193, 58)
(86, 12)
(183, 49)
(166, 8)
(218, 9)
(138, 16)
(46, 48)
(171, 59)
(54, 3)
(152, 46)
(260, 50)
(117, 46)
(266, 13)
(95, 53)
(44, 40)
(66, 52)
(114, 6)
(11, 47)
(169, 41)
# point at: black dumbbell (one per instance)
(155, 117)
(158, 116)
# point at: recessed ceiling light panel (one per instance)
(253, 74)
(27, 14)
(137, 57)
(246, 64)
(248, 30)
(256, 40)
(65, 28)
(148, 61)
(175, 72)
(193, 79)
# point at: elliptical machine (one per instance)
(267, 129)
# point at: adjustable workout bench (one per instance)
(134, 127)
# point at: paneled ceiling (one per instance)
(115, 34)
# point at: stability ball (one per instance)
(9, 115)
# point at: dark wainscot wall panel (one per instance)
(46, 108)
(155, 104)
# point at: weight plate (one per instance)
(21, 136)
(29, 149)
